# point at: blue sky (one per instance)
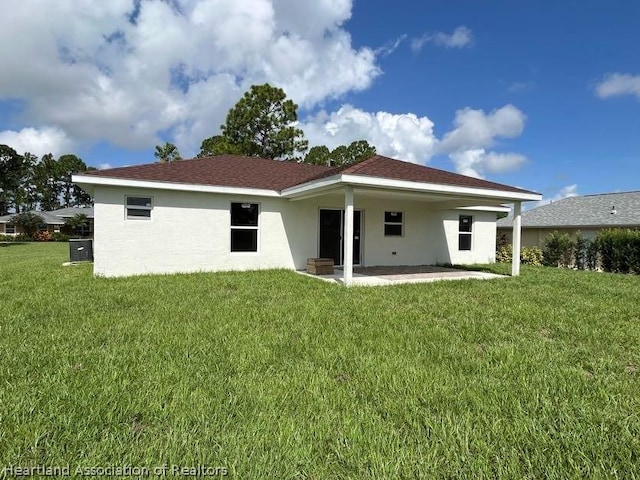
(546, 58)
(543, 95)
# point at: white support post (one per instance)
(347, 262)
(517, 238)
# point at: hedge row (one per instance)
(613, 250)
(619, 250)
(37, 237)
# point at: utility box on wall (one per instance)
(81, 250)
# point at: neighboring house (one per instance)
(236, 213)
(54, 221)
(588, 214)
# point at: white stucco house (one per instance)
(237, 213)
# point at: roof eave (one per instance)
(319, 186)
(313, 187)
(90, 182)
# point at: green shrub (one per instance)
(504, 253)
(531, 256)
(502, 241)
(528, 255)
(29, 221)
(557, 250)
(619, 250)
(22, 237)
(580, 250)
(634, 252)
(591, 256)
(60, 237)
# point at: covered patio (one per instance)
(396, 275)
(350, 190)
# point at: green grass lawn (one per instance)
(275, 375)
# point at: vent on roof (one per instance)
(613, 210)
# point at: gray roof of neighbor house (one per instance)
(602, 210)
(71, 211)
(56, 217)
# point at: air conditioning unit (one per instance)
(81, 250)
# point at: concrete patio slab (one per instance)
(380, 276)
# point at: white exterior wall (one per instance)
(430, 236)
(483, 238)
(190, 231)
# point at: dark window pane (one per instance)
(464, 241)
(393, 230)
(244, 240)
(393, 217)
(139, 201)
(465, 223)
(138, 212)
(9, 228)
(244, 214)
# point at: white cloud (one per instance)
(459, 38)
(390, 47)
(37, 141)
(97, 74)
(616, 84)
(564, 192)
(475, 131)
(403, 136)
(475, 163)
(104, 166)
(411, 138)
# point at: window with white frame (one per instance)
(393, 224)
(138, 207)
(244, 227)
(465, 224)
(9, 229)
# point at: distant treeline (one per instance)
(31, 183)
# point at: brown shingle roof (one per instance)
(252, 172)
(221, 170)
(384, 167)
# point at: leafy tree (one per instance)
(82, 198)
(29, 221)
(167, 153)
(359, 150)
(218, 145)
(26, 196)
(340, 156)
(66, 166)
(11, 173)
(261, 124)
(27, 183)
(46, 176)
(318, 155)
